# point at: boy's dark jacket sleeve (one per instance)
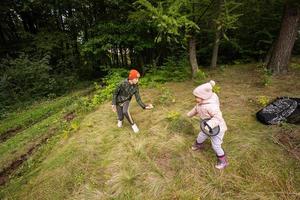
(138, 98)
(115, 94)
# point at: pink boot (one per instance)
(222, 162)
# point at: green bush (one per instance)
(165, 97)
(172, 70)
(216, 89)
(262, 101)
(23, 79)
(110, 82)
(22, 76)
(266, 75)
(200, 77)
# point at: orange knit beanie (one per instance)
(133, 74)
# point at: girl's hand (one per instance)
(114, 109)
(149, 106)
(206, 128)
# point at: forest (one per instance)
(47, 47)
(62, 61)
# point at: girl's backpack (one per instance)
(282, 109)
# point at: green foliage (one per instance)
(295, 65)
(110, 82)
(85, 104)
(228, 19)
(49, 43)
(70, 128)
(169, 19)
(23, 75)
(165, 97)
(266, 75)
(177, 68)
(200, 77)
(179, 124)
(216, 89)
(153, 77)
(173, 115)
(25, 78)
(263, 100)
(110, 37)
(24, 119)
(262, 16)
(223, 68)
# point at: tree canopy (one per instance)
(70, 40)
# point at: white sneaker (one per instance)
(135, 128)
(120, 124)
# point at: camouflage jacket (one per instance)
(125, 91)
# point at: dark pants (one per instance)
(123, 110)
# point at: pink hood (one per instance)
(210, 108)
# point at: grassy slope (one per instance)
(100, 161)
(43, 117)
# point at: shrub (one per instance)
(179, 124)
(263, 101)
(110, 82)
(25, 78)
(165, 97)
(266, 75)
(216, 89)
(172, 70)
(200, 77)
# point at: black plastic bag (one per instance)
(282, 109)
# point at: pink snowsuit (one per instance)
(209, 109)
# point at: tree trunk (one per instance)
(131, 56)
(28, 23)
(125, 54)
(282, 51)
(193, 56)
(112, 62)
(122, 56)
(116, 56)
(215, 53)
(218, 27)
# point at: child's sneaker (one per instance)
(222, 162)
(135, 128)
(120, 124)
(197, 146)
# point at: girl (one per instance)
(122, 96)
(208, 107)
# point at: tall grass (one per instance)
(102, 161)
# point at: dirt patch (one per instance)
(14, 131)
(70, 116)
(10, 133)
(6, 172)
(164, 163)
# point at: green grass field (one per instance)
(90, 158)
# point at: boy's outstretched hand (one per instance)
(149, 106)
(114, 108)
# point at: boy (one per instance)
(122, 97)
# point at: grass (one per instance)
(22, 119)
(42, 125)
(100, 161)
